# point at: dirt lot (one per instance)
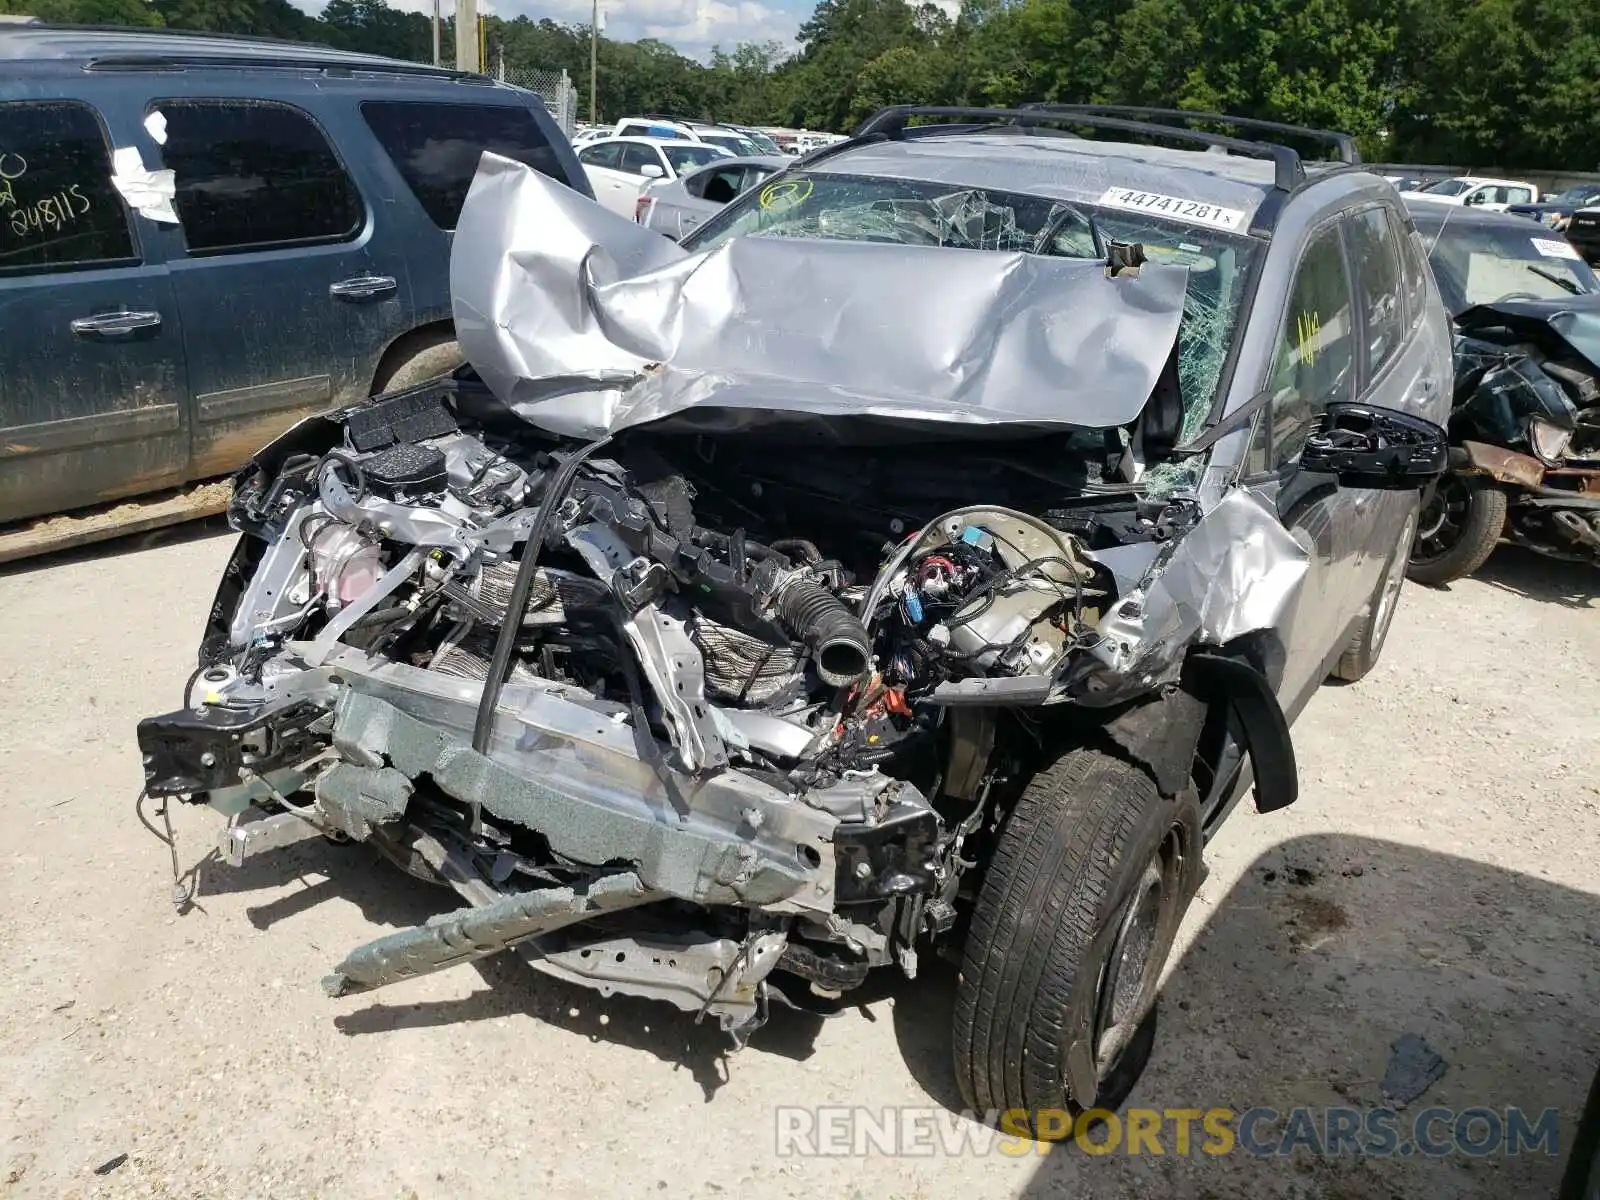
(1437, 878)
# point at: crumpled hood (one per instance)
(585, 323)
(1561, 326)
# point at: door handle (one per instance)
(115, 324)
(363, 287)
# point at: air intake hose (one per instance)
(838, 640)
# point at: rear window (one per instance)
(58, 210)
(436, 147)
(254, 175)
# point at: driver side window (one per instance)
(1315, 361)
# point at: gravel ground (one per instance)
(1435, 878)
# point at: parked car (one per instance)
(194, 256)
(674, 207)
(1496, 195)
(620, 168)
(826, 652)
(1525, 421)
(723, 136)
(1408, 183)
(1583, 231)
(1556, 212)
(763, 142)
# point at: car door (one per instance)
(93, 398)
(283, 293)
(686, 206)
(636, 158)
(1315, 362)
(602, 163)
(1361, 324)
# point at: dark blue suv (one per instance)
(204, 239)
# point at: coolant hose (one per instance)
(837, 638)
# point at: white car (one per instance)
(677, 206)
(1496, 195)
(620, 168)
(725, 136)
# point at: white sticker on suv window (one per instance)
(1196, 212)
(1554, 247)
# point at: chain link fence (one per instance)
(554, 87)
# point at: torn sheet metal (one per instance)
(148, 192)
(1238, 570)
(584, 323)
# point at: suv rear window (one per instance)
(436, 147)
(58, 211)
(254, 174)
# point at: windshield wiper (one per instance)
(1567, 284)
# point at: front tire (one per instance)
(1458, 530)
(1087, 884)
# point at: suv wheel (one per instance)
(1087, 884)
(1372, 630)
(1458, 529)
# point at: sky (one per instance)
(691, 27)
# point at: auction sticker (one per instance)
(1197, 212)
(1554, 247)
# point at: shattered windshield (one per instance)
(1481, 263)
(920, 213)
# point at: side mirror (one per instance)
(652, 171)
(1364, 446)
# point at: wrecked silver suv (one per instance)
(774, 609)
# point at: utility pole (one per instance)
(467, 36)
(594, 59)
(436, 33)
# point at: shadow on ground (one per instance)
(389, 899)
(1329, 949)
(1515, 569)
(167, 535)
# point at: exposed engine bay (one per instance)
(758, 691)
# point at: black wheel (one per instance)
(1458, 529)
(1372, 630)
(1087, 883)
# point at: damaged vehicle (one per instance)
(1524, 425)
(924, 558)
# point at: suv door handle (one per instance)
(363, 287)
(115, 324)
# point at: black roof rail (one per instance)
(275, 62)
(1342, 142)
(890, 123)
